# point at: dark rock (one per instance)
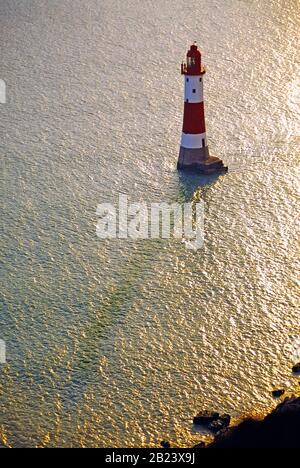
(278, 393)
(225, 418)
(165, 444)
(204, 418)
(296, 368)
(219, 424)
(288, 406)
(279, 429)
(216, 426)
(200, 445)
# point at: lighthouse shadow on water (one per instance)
(190, 183)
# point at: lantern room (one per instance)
(193, 62)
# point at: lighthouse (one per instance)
(194, 153)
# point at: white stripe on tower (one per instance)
(197, 140)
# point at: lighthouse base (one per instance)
(199, 160)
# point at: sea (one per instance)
(120, 342)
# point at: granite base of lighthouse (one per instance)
(199, 160)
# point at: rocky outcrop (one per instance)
(279, 429)
(296, 368)
(165, 444)
(212, 421)
(204, 418)
(278, 393)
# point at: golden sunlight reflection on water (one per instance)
(121, 343)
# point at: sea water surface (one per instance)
(119, 343)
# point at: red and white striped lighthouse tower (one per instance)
(194, 152)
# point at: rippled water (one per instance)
(119, 343)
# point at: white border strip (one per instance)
(2, 92)
(2, 352)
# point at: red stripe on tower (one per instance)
(193, 149)
(193, 118)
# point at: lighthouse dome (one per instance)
(193, 61)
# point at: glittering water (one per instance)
(119, 343)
